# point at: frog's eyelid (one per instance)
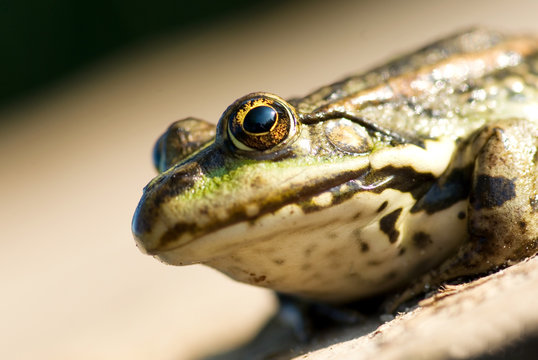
(324, 116)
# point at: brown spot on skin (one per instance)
(306, 266)
(387, 225)
(333, 253)
(357, 215)
(422, 240)
(308, 250)
(402, 251)
(492, 191)
(523, 226)
(383, 206)
(278, 261)
(364, 247)
(258, 279)
(461, 215)
(374, 263)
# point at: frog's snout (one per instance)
(155, 223)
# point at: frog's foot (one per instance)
(307, 318)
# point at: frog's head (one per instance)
(250, 179)
(266, 172)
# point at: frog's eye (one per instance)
(260, 122)
(180, 140)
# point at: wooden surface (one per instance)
(76, 156)
(484, 317)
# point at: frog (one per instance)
(401, 178)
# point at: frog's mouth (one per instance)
(211, 200)
(212, 203)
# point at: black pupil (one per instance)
(259, 120)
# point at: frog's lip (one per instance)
(162, 238)
(157, 230)
(222, 239)
(185, 206)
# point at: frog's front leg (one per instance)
(305, 318)
(503, 204)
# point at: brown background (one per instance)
(76, 156)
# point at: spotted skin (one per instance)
(409, 175)
(492, 191)
(387, 224)
(422, 240)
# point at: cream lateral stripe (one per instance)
(434, 158)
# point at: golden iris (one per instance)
(260, 122)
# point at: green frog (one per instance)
(417, 172)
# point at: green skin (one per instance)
(424, 168)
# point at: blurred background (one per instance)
(87, 87)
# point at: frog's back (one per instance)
(448, 88)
